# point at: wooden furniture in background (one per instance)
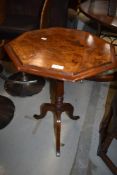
(102, 18)
(108, 132)
(98, 10)
(60, 54)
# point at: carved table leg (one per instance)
(44, 109)
(57, 129)
(57, 107)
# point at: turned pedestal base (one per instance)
(57, 107)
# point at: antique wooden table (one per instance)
(60, 54)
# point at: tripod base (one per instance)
(57, 107)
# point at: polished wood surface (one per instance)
(59, 53)
(99, 11)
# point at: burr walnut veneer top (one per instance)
(60, 53)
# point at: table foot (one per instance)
(69, 109)
(44, 109)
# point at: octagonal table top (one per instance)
(61, 53)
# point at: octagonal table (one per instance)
(60, 54)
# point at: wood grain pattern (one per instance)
(59, 53)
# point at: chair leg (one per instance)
(103, 132)
(104, 145)
(107, 134)
(102, 152)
